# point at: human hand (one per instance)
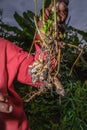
(62, 13)
(4, 106)
(46, 17)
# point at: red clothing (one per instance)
(14, 63)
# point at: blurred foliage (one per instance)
(50, 111)
(23, 35)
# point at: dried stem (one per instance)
(34, 95)
(59, 53)
(36, 9)
(74, 46)
(31, 46)
(39, 32)
(36, 14)
(55, 17)
(43, 11)
(75, 62)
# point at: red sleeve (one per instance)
(18, 62)
(25, 60)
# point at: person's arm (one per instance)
(25, 61)
(18, 62)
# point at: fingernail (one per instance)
(10, 108)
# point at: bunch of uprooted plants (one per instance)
(46, 69)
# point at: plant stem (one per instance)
(75, 62)
(36, 9)
(43, 11)
(55, 19)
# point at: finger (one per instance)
(4, 107)
(1, 97)
(5, 99)
(46, 14)
(40, 24)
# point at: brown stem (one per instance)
(34, 95)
